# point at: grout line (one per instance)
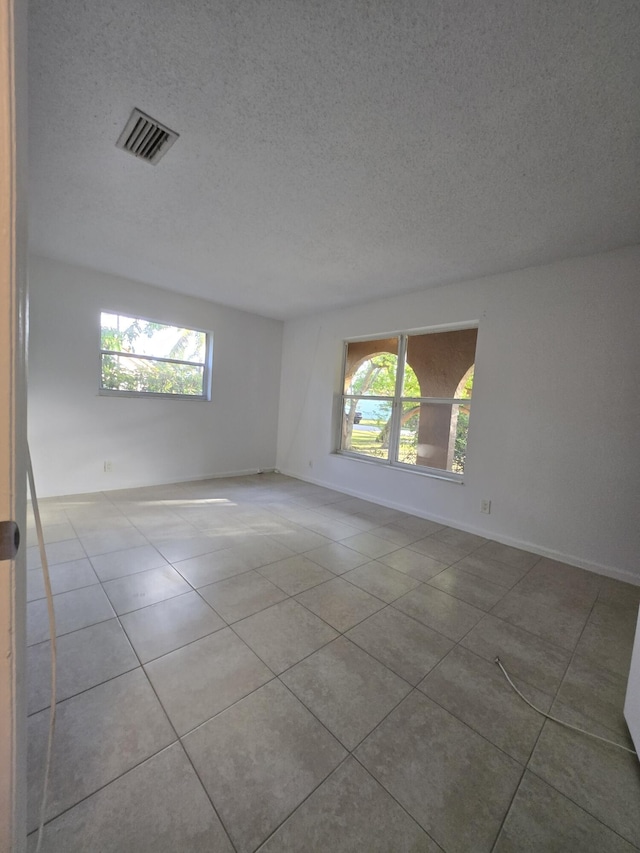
(292, 666)
(75, 630)
(468, 725)
(520, 679)
(231, 705)
(257, 654)
(396, 801)
(102, 787)
(527, 766)
(178, 737)
(581, 807)
(598, 723)
(308, 796)
(524, 630)
(509, 807)
(341, 633)
(183, 645)
(62, 591)
(86, 689)
(271, 494)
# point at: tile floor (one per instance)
(262, 664)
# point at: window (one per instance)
(142, 357)
(407, 399)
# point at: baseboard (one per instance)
(534, 548)
(150, 483)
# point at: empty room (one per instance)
(322, 423)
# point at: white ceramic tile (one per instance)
(167, 625)
(199, 680)
(73, 610)
(144, 588)
(100, 734)
(84, 658)
(160, 805)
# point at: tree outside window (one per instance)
(407, 399)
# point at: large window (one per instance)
(140, 357)
(407, 400)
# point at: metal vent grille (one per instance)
(146, 138)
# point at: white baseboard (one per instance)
(162, 482)
(534, 548)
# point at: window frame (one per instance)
(207, 364)
(397, 402)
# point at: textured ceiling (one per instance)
(332, 151)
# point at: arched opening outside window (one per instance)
(407, 399)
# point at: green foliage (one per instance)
(460, 448)
(376, 377)
(156, 377)
(124, 373)
(467, 388)
(373, 444)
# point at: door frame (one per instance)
(13, 302)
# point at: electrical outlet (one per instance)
(108, 466)
(485, 505)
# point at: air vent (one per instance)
(146, 138)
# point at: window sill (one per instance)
(104, 392)
(432, 473)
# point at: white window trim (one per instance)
(207, 364)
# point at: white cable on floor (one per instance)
(556, 720)
(52, 632)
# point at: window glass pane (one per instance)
(143, 337)
(365, 427)
(438, 364)
(371, 367)
(124, 373)
(434, 435)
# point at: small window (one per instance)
(141, 357)
(406, 400)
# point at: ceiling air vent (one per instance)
(146, 138)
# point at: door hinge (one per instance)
(9, 540)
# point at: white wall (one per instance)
(554, 436)
(73, 430)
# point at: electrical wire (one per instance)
(556, 720)
(52, 632)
